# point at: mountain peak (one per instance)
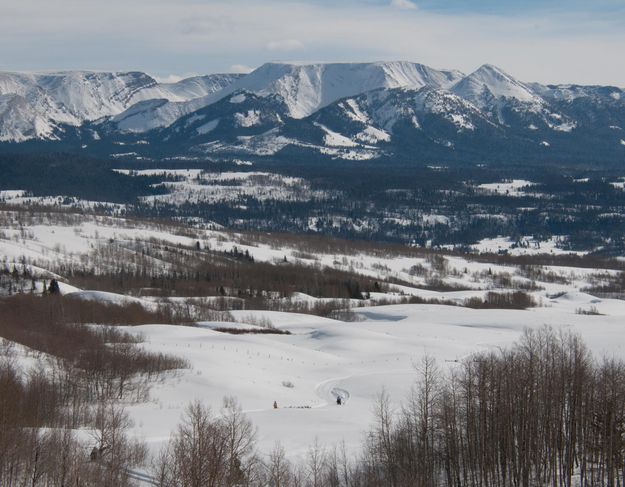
(491, 81)
(491, 68)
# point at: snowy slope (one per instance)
(370, 110)
(366, 126)
(385, 108)
(76, 96)
(307, 88)
(20, 121)
(186, 89)
(324, 358)
(47, 100)
(151, 114)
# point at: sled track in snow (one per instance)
(143, 478)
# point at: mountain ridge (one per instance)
(336, 110)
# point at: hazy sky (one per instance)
(535, 40)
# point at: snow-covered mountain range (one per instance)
(38, 105)
(347, 110)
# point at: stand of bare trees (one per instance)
(38, 443)
(210, 451)
(543, 413)
(77, 372)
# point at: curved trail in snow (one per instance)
(332, 388)
(329, 390)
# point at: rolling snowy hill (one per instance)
(380, 348)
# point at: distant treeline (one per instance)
(54, 174)
(376, 200)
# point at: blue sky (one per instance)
(499, 7)
(535, 40)
(519, 6)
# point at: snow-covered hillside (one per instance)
(304, 88)
(350, 111)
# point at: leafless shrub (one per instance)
(252, 331)
(514, 300)
(251, 319)
(539, 273)
(439, 264)
(592, 311)
(344, 314)
(419, 270)
(435, 283)
(53, 456)
(304, 255)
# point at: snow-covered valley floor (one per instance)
(321, 358)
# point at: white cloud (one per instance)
(170, 78)
(285, 45)
(240, 68)
(403, 4)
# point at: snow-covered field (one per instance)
(528, 245)
(322, 358)
(304, 372)
(514, 187)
